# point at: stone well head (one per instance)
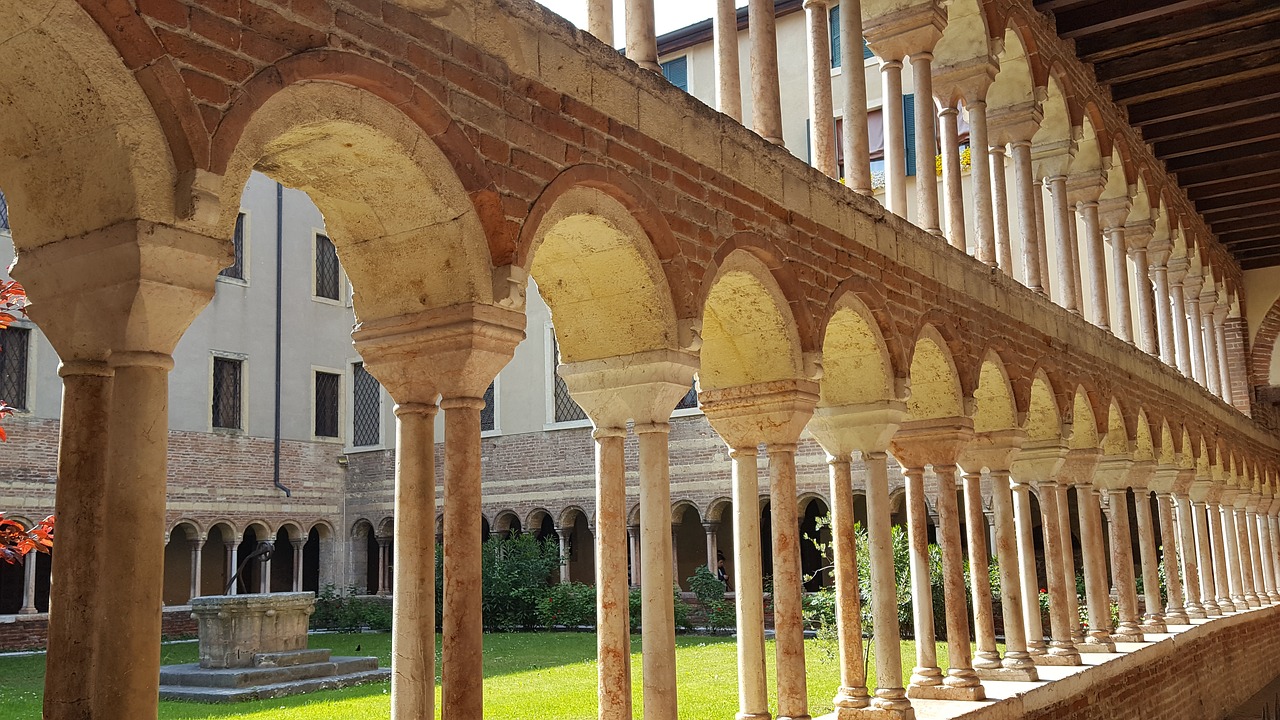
(234, 628)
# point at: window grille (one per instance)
(366, 408)
(236, 268)
(566, 410)
(690, 399)
(226, 393)
(489, 415)
(14, 344)
(326, 268)
(4, 213)
(326, 404)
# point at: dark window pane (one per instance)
(566, 409)
(14, 345)
(326, 404)
(226, 393)
(366, 409)
(326, 268)
(236, 268)
(488, 416)
(4, 213)
(690, 399)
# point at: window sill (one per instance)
(242, 282)
(328, 301)
(567, 425)
(356, 449)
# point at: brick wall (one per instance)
(25, 632)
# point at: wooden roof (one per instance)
(1201, 80)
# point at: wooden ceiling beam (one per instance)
(1259, 262)
(1251, 239)
(1074, 23)
(1208, 100)
(1185, 27)
(1231, 226)
(1207, 141)
(1253, 211)
(1212, 121)
(1206, 76)
(1224, 156)
(1239, 169)
(1187, 55)
(1238, 200)
(1230, 186)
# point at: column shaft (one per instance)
(1027, 568)
(600, 20)
(728, 78)
(1224, 366)
(952, 189)
(413, 630)
(980, 177)
(461, 665)
(1146, 306)
(1123, 323)
(1153, 617)
(822, 129)
(657, 612)
(1234, 557)
(196, 547)
(1195, 339)
(1175, 610)
(613, 639)
(1096, 262)
(1042, 242)
(1011, 589)
(766, 104)
(1204, 562)
(985, 656)
(1095, 568)
(852, 692)
(1255, 555)
(1182, 343)
(1221, 575)
(28, 584)
(642, 38)
(1069, 563)
(1164, 315)
(1003, 247)
(895, 158)
(926, 672)
(753, 692)
(926, 144)
(1022, 178)
(1246, 557)
(1268, 561)
(788, 590)
(1062, 648)
(1062, 223)
(889, 694)
(857, 147)
(959, 653)
(1212, 378)
(1122, 566)
(297, 566)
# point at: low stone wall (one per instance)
(28, 632)
(1200, 674)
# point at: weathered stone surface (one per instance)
(236, 628)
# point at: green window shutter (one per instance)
(834, 21)
(909, 131)
(866, 51)
(677, 72)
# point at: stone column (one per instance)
(1221, 575)
(985, 656)
(600, 20)
(1224, 369)
(1025, 182)
(766, 103)
(895, 159)
(1153, 618)
(1098, 639)
(1042, 242)
(1212, 377)
(1255, 552)
(952, 188)
(657, 614)
(297, 567)
(1234, 557)
(1177, 611)
(1044, 461)
(1127, 629)
(852, 693)
(633, 537)
(562, 534)
(1178, 311)
(1241, 527)
(642, 37)
(196, 547)
(712, 549)
(29, 585)
(865, 429)
(1027, 568)
(1204, 556)
(1000, 205)
(613, 621)
(728, 78)
(1273, 529)
(1265, 549)
(1069, 563)
(938, 443)
(1195, 334)
(753, 691)
(822, 129)
(264, 575)
(788, 590)
(383, 546)
(1123, 324)
(857, 149)
(1159, 258)
(980, 178)
(675, 554)
(1096, 264)
(231, 568)
(1062, 222)
(1146, 336)
(1017, 663)
(926, 142)
(113, 303)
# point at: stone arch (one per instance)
(597, 252)
(1014, 85)
(507, 521)
(994, 406)
(749, 325)
(857, 366)
(1144, 443)
(1120, 434)
(717, 508)
(1044, 417)
(180, 547)
(1263, 348)
(81, 145)
(689, 541)
(386, 527)
(383, 182)
(1085, 430)
(190, 527)
(935, 383)
(966, 37)
(568, 516)
(1058, 134)
(292, 529)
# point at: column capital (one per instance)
(132, 287)
(1138, 235)
(644, 387)
(454, 351)
(1178, 269)
(1014, 123)
(774, 413)
(938, 442)
(1040, 461)
(1079, 466)
(1164, 478)
(1112, 472)
(1159, 250)
(909, 31)
(1085, 186)
(968, 80)
(1052, 158)
(868, 428)
(1114, 213)
(995, 450)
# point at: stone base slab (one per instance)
(261, 692)
(1009, 674)
(945, 692)
(1089, 647)
(1059, 660)
(870, 713)
(1127, 637)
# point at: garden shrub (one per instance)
(709, 590)
(634, 602)
(516, 575)
(569, 605)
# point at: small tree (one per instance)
(16, 541)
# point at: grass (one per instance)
(548, 676)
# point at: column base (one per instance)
(1240, 604)
(851, 698)
(1127, 637)
(1211, 609)
(1036, 649)
(1153, 626)
(1177, 618)
(1275, 597)
(1091, 646)
(795, 717)
(753, 716)
(1252, 601)
(871, 713)
(1009, 674)
(1061, 658)
(945, 692)
(986, 660)
(28, 611)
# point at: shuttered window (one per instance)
(909, 131)
(677, 72)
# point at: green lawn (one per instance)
(547, 676)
